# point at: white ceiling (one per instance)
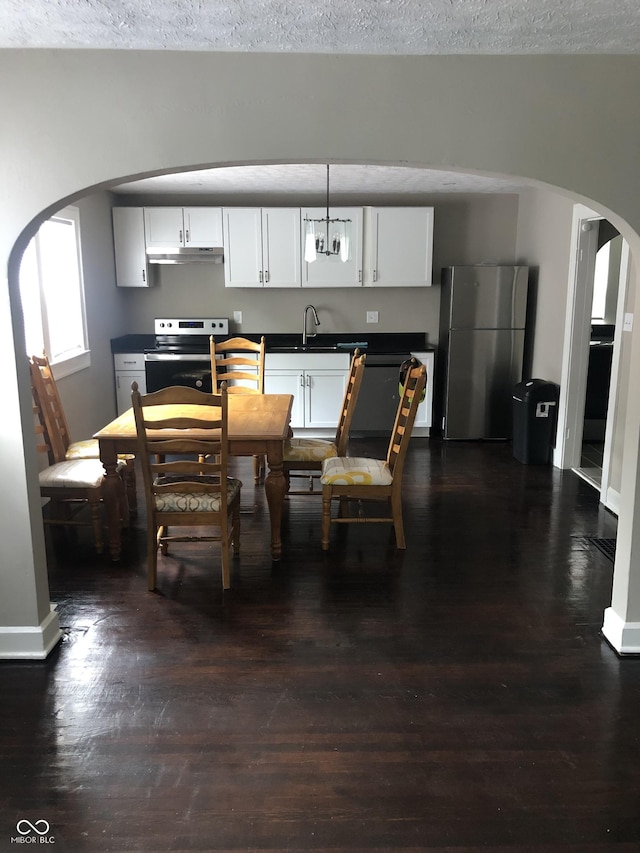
(381, 27)
(392, 27)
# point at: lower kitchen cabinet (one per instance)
(129, 367)
(317, 383)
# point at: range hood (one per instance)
(185, 255)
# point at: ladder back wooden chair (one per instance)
(70, 485)
(45, 389)
(362, 479)
(181, 491)
(240, 363)
(303, 457)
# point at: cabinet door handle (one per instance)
(260, 276)
(180, 236)
(375, 275)
(143, 276)
(302, 380)
(308, 382)
(186, 236)
(359, 275)
(266, 276)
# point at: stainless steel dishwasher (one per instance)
(378, 399)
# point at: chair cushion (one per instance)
(89, 449)
(74, 474)
(355, 471)
(196, 501)
(308, 450)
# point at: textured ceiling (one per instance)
(381, 27)
(394, 27)
(348, 184)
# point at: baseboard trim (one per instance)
(623, 636)
(24, 642)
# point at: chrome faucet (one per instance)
(306, 335)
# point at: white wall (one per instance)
(74, 120)
(544, 242)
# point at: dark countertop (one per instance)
(376, 342)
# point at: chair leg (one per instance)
(326, 517)
(130, 486)
(152, 555)
(396, 514)
(258, 469)
(235, 532)
(227, 537)
(96, 521)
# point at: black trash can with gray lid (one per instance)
(535, 415)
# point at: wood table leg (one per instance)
(112, 497)
(275, 487)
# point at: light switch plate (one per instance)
(237, 316)
(372, 316)
(627, 326)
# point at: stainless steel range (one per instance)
(181, 352)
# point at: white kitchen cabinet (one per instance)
(129, 367)
(173, 227)
(317, 382)
(399, 246)
(331, 270)
(424, 415)
(130, 248)
(262, 247)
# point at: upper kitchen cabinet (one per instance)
(340, 270)
(262, 247)
(399, 246)
(130, 247)
(173, 227)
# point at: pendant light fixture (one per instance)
(333, 239)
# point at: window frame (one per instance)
(80, 358)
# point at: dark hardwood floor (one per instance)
(455, 697)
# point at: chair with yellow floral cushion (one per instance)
(181, 491)
(303, 457)
(45, 390)
(240, 363)
(362, 479)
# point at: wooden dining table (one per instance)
(258, 425)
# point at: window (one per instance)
(52, 293)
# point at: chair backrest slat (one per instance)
(406, 414)
(200, 430)
(49, 408)
(240, 363)
(352, 389)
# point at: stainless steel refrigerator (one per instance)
(481, 348)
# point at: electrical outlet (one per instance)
(237, 316)
(372, 316)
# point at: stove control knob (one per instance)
(198, 383)
(161, 325)
(169, 325)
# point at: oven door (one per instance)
(165, 369)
